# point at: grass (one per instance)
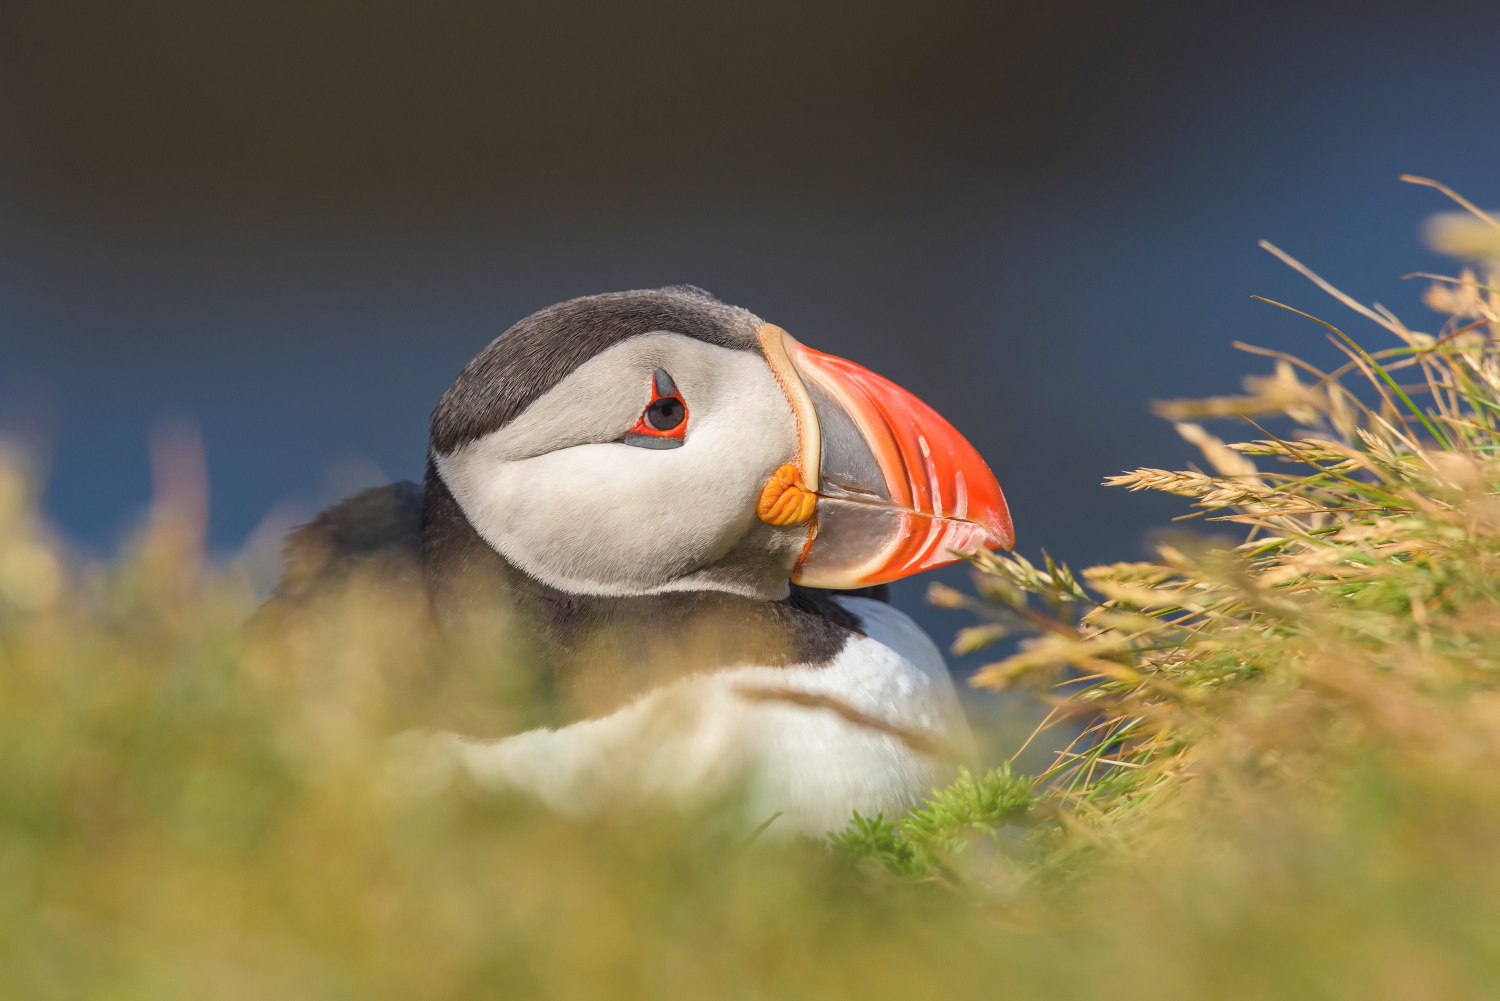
(1288, 782)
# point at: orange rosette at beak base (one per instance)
(899, 489)
(785, 499)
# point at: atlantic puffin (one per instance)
(670, 495)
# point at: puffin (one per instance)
(690, 518)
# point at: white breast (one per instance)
(810, 763)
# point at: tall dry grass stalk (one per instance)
(1356, 625)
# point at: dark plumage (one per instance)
(378, 530)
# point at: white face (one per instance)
(559, 495)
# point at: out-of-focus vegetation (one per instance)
(1288, 783)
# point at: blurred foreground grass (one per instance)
(1289, 784)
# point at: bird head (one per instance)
(660, 440)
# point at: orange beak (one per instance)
(898, 489)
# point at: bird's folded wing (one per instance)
(377, 531)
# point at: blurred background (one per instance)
(291, 223)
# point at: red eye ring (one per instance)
(666, 416)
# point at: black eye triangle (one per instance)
(663, 384)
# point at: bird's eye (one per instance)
(663, 424)
(666, 413)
